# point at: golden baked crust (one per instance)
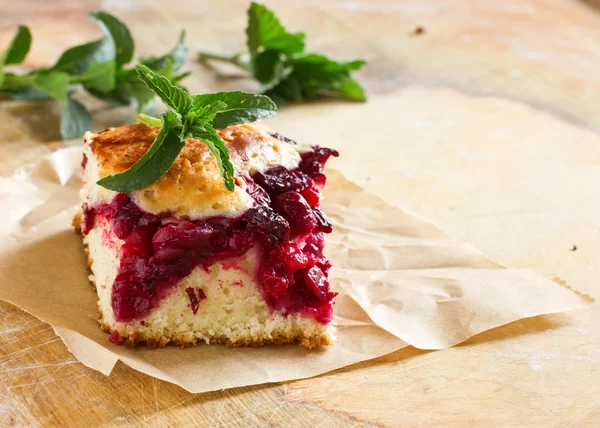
(183, 340)
(76, 223)
(193, 185)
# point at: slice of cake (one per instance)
(185, 260)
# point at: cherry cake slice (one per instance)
(185, 260)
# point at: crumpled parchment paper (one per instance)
(401, 281)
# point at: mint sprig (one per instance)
(277, 59)
(195, 116)
(99, 67)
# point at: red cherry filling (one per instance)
(286, 223)
(260, 195)
(195, 301)
(293, 207)
(88, 218)
(313, 282)
(268, 226)
(313, 163)
(311, 194)
(322, 220)
(279, 180)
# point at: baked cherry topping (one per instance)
(293, 207)
(260, 195)
(314, 243)
(268, 226)
(322, 220)
(313, 163)
(311, 194)
(285, 224)
(279, 180)
(313, 282)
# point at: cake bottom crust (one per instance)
(187, 339)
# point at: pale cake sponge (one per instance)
(233, 312)
(224, 301)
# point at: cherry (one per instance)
(293, 207)
(269, 226)
(313, 281)
(313, 162)
(260, 196)
(322, 220)
(279, 180)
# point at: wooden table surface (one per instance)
(492, 117)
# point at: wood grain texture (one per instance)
(487, 87)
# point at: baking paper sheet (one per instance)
(401, 281)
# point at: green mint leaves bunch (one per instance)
(196, 116)
(97, 66)
(276, 58)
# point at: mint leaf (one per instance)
(118, 33)
(99, 76)
(204, 113)
(318, 74)
(288, 89)
(141, 96)
(241, 107)
(18, 48)
(269, 68)
(265, 31)
(77, 59)
(350, 88)
(175, 79)
(14, 82)
(140, 93)
(75, 119)
(173, 96)
(16, 51)
(115, 98)
(177, 55)
(155, 162)
(316, 63)
(52, 83)
(128, 89)
(217, 147)
(29, 93)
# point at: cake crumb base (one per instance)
(185, 340)
(159, 340)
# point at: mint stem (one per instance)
(149, 120)
(240, 60)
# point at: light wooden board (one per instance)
(492, 118)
